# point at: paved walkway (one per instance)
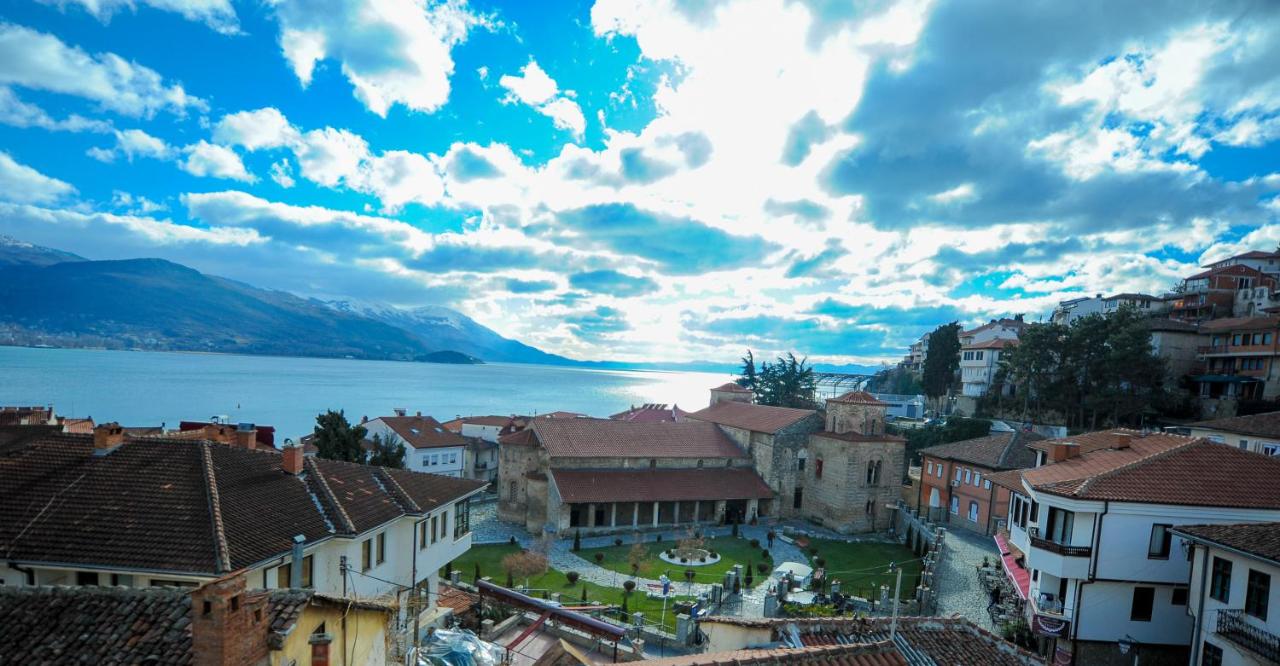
(959, 590)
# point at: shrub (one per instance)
(584, 591)
(599, 557)
(762, 568)
(748, 575)
(702, 559)
(766, 555)
(712, 553)
(512, 540)
(735, 530)
(689, 575)
(683, 560)
(657, 538)
(628, 585)
(813, 551)
(572, 576)
(821, 561)
(617, 541)
(755, 543)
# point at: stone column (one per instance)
(635, 515)
(613, 514)
(591, 514)
(675, 512)
(655, 514)
(753, 508)
(720, 504)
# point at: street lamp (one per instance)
(1129, 643)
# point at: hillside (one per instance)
(14, 252)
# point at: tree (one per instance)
(577, 541)
(748, 577)
(388, 451)
(636, 557)
(626, 616)
(944, 359)
(524, 565)
(476, 578)
(336, 439)
(749, 378)
(787, 382)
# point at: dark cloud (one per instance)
(818, 265)
(680, 245)
(517, 286)
(612, 282)
(921, 127)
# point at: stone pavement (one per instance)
(959, 590)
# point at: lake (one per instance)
(150, 388)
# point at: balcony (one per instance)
(1233, 626)
(1212, 349)
(1057, 548)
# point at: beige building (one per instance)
(733, 461)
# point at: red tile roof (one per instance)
(1235, 269)
(921, 640)
(587, 485)
(190, 507)
(859, 654)
(756, 418)
(1252, 254)
(605, 438)
(651, 413)
(995, 343)
(859, 398)
(1090, 441)
(460, 601)
(731, 387)
(1262, 425)
(1001, 450)
(1241, 324)
(423, 432)
(1259, 539)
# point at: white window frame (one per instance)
(930, 464)
(968, 475)
(977, 478)
(955, 505)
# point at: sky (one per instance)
(664, 180)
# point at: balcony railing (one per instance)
(1232, 625)
(1055, 547)
(1212, 349)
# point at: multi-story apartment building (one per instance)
(1075, 308)
(109, 509)
(429, 446)
(1239, 361)
(1093, 524)
(955, 483)
(1232, 601)
(1259, 433)
(979, 362)
(1214, 293)
(1259, 260)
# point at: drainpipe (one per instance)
(26, 571)
(1093, 573)
(1204, 584)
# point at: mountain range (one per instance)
(54, 298)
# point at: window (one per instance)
(425, 461)
(873, 473)
(435, 528)
(462, 519)
(938, 469)
(800, 464)
(957, 474)
(955, 504)
(366, 554)
(125, 580)
(653, 463)
(284, 574)
(798, 499)
(1210, 655)
(1256, 594)
(1060, 525)
(968, 476)
(382, 547)
(422, 535)
(977, 478)
(817, 468)
(444, 523)
(511, 491)
(1220, 584)
(1158, 546)
(435, 459)
(930, 468)
(1179, 597)
(973, 512)
(986, 485)
(1143, 599)
(307, 565)
(86, 578)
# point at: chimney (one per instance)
(1123, 440)
(295, 568)
(107, 437)
(246, 436)
(364, 419)
(1060, 451)
(400, 411)
(418, 413)
(291, 460)
(228, 628)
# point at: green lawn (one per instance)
(863, 567)
(490, 559)
(731, 550)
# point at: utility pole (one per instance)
(342, 568)
(897, 590)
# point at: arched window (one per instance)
(873, 473)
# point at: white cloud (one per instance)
(255, 130)
(331, 156)
(35, 60)
(392, 51)
(135, 204)
(15, 112)
(210, 159)
(106, 229)
(217, 14)
(22, 184)
(134, 143)
(282, 173)
(537, 89)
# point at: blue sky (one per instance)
(667, 180)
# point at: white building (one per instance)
(1075, 308)
(429, 446)
(996, 329)
(1235, 607)
(979, 362)
(1093, 524)
(155, 511)
(1259, 433)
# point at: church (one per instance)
(734, 461)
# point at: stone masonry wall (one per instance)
(839, 499)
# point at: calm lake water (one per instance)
(148, 388)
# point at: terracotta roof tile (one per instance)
(1241, 324)
(1089, 441)
(585, 485)
(859, 398)
(858, 654)
(1002, 450)
(1260, 539)
(996, 343)
(423, 432)
(589, 438)
(730, 387)
(756, 418)
(460, 601)
(651, 413)
(1262, 425)
(1234, 269)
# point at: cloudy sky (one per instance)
(665, 180)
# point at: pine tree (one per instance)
(336, 439)
(476, 579)
(584, 591)
(388, 451)
(577, 541)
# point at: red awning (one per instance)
(1020, 577)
